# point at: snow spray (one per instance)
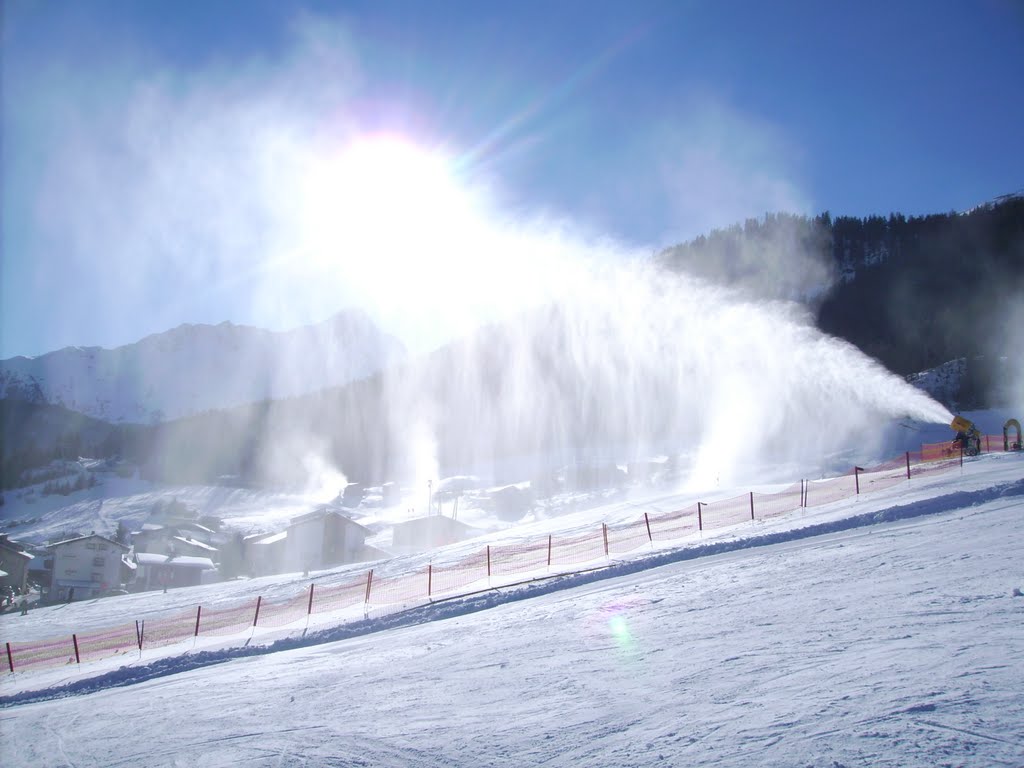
(625, 361)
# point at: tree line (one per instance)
(911, 291)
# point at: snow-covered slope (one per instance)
(194, 368)
(886, 635)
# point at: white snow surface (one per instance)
(883, 630)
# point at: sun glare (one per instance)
(381, 197)
(393, 226)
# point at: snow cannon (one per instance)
(967, 435)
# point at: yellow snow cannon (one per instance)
(967, 436)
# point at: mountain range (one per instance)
(195, 368)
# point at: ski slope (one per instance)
(878, 631)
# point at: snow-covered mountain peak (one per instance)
(197, 367)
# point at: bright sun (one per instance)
(379, 197)
(393, 227)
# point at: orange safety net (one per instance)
(397, 592)
(453, 577)
(719, 514)
(780, 503)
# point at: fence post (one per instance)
(604, 533)
(74, 639)
(309, 608)
(142, 636)
(199, 612)
(256, 618)
(908, 465)
(700, 518)
(10, 657)
(138, 635)
(488, 563)
(369, 583)
(647, 522)
(751, 505)
(856, 479)
(430, 579)
(549, 550)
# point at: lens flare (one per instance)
(619, 628)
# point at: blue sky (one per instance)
(149, 148)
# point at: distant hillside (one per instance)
(194, 368)
(968, 384)
(913, 292)
(34, 434)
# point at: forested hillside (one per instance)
(913, 292)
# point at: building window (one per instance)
(97, 577)
(97, 562)
(90, 545)
(102, 547)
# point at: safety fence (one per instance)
(491, 566)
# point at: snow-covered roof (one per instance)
(181, 561)
(11, 544)
(326, 511)
(83, 538)
(197, 527)
(19, 553)
(195, 543)
(272, 538)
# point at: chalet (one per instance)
(14, 560)
(429, 532)
(264, 553)
(173, 540)
(157, 571)
(321, 539)
(87, 566)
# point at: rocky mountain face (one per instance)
(195, 368)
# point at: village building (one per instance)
(320, 539)
(157, 571)
(264, 553)
(14, 561)
(87, 566)
(174, 540)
